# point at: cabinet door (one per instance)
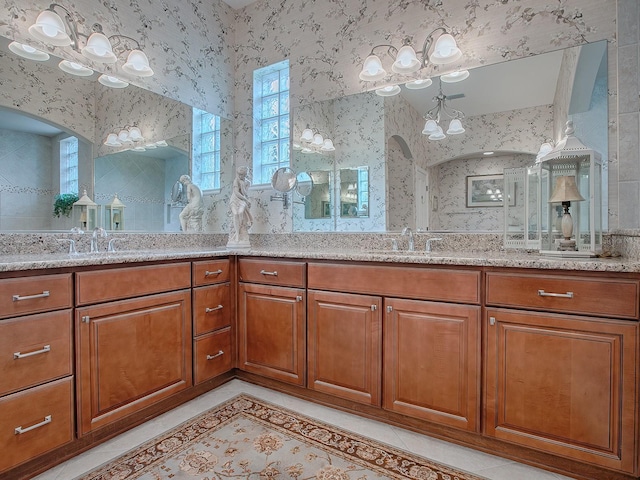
(271, 330)
(432, 361)
(131, 354)
(345, 345)
(563, 384)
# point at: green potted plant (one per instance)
(64, 203)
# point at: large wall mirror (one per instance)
(510, 110)
(41, 107)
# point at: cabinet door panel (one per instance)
(272, 332)
(132, 353)
(432, 361)
(345, 345)
(563, 384)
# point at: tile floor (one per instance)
(489, 466)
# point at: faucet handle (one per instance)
(427, 245)
(72, 245)
(394, 244)
(110, 247)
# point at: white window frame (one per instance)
(69, 155)
(262, 170)
(208, 179)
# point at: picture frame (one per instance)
(486, 191)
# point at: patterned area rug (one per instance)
(247, 438)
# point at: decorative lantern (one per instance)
(85, 213)
(521, 215)
(570, 199)
(114, 214)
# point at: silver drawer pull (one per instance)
(207, 273)
(211, 357)
(20, 430)
(45, 349)
(208, 310)
(17, 298)
(298, 298)
(264, 272)
(542, 293)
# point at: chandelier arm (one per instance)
(69, 23)
(118, 44)
(391, 50)
(427, 45)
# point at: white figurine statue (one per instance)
(191, 214)
(239, 204)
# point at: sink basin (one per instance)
(398, 252)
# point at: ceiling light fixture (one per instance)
(419, 83)
(56, 26)
(27, 51)
(74, 68)
(406, 61)
(388, 91)
(434, 116)
(455, 77)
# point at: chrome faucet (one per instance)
(427, 246)
(98, 231)
(408, 231)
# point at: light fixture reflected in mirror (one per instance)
(312, 141)
(111, 81)
(127, 135)
(455, 77)
(419, 83)
(435, 115)
(388, 91)
(27, 51)
(74, 68)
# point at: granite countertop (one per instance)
(514, 258)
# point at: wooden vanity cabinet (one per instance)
(135, 349)
(430, 367)
(344, 342)
(272, 319)
(36, 361)
(212, 314)
(560, 382)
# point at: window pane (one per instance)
(270, 107)
(284, 126)
(284, 153)
(284, 79)
(284, 102)
(270, 83)
(270, 153)
(269, 129)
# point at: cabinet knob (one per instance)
(299, 298)
(86, 319)
(374, 308)
(389, 309)
(492, 320)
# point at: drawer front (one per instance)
(35, 421)
(447, 285)
(564, 293)
(112, 284)
(212, 355)
(209, 272)
(35, 349)
(42, 293)
(211, 308)
(272, 272)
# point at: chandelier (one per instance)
(59, 29)
(436, 114)
(406, 60)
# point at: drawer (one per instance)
(439, 284)
(35, 421)
(211, 308)
(208, 272)
(115, 283)
(610, 297)
(212, 355)
(272, 272)
(42, 293)
(35, 349)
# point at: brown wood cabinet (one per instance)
(134, 352)
(432, 361)
(272, 331)
(563, 384)
(344, 345)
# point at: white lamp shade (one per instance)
(112, 140)
(438, 135)
(419, 83)
(372, 69)
(113, 82)
(327, 146)
(388, 91)
(137, 64)
(455, 127)
(406, 61)
(454, 77)
(430, 127)
(74, 68)
(98, 49)
(49, 28)
(123, 136)
(318, 139)
(27, 51)
(135, 134)
(307, 135)
(445, 50)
